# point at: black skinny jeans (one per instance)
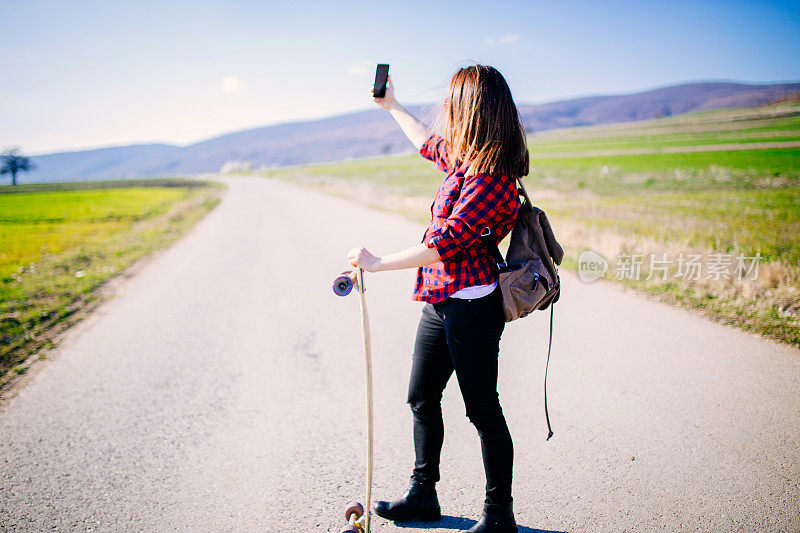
(461, 335)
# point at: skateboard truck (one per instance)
(343, 285)
(354, 514)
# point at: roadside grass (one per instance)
(60, 243)
(766, 221)
(739, 203)
(766, 302)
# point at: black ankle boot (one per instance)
(418, 503)
(495, 520)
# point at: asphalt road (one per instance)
(222, 390)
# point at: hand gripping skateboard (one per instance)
(358, 515)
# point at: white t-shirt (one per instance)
(476, 291)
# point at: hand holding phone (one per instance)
(386, 101)
(381, 77)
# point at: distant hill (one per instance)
(371, 133)
(663, 102)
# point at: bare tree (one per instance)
(12, 162)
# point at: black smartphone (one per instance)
(381, 75)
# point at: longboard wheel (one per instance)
(354, 508)
(343, 284)
(350, 529)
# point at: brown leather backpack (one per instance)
(528, 274)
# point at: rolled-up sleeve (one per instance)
(476, 207)
(435, 149)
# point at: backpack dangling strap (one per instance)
(550, 342)
(550, 345)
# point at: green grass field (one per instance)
(59, 243)
(700, 200)
(695, 129)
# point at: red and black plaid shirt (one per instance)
(462, 209)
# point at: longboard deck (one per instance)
(368, 384)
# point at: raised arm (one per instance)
(416, 131)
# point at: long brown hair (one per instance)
(482, 125)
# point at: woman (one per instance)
(482, 151)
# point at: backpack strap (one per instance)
(524, 191)
(486, 235)
(494, 251)
(501, 262)
(550, 341)
(549, 345)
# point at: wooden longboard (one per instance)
(357, 515)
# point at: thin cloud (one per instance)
(359, 67)
(232, 84)
(508, 38)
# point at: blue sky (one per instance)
(85, 74)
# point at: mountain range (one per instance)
(372, 133)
